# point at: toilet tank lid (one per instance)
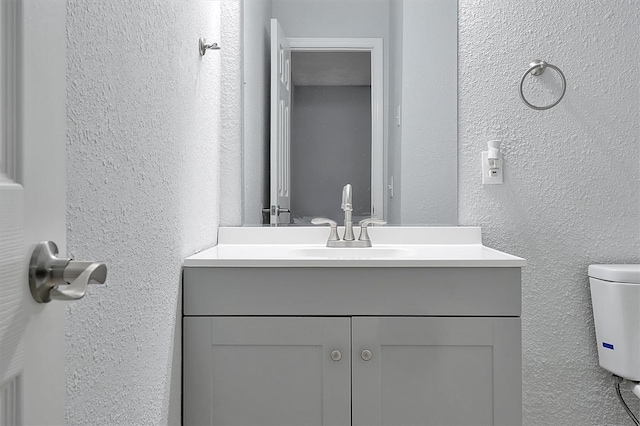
(616, 273)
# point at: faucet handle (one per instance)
(324, 221)
(333, 235)
(364, 234)
(372, 221)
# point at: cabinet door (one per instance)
(436, 371)
(266, 371)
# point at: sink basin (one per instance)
(353, 252)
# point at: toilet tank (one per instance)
(615, 295)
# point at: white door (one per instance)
(281, 86)
(32, 206)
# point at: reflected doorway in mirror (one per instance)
(334, 133)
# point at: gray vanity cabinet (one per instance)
(258, 371)
(363, 371)
(436, 371)
(278, 346)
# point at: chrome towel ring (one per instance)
(536, 68)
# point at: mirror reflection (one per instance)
(298, 155)
(330, 133)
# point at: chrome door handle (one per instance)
(53, 277)
(276, 210)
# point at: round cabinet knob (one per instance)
(336, 355)
(366, 355)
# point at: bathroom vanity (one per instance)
(421, 328)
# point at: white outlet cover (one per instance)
(487, 179)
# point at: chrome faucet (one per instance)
(347, 207)
(348, 239)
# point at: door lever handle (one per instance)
(53, 277)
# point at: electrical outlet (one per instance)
(491, 176)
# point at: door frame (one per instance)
(374, 46)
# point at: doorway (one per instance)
(336, 127)
(338, 89)
(330, 133)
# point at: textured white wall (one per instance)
(572, 179)
(231, 112)
(143, 193)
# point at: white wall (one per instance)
(572, 180)
(144, 142)
(230, 27)
(429, 113)
(333, 18)
(393, 150)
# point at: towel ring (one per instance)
(536, 68)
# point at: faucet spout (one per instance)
(349, 239)
(347, 206)
(347, 203)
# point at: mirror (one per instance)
(418, 112)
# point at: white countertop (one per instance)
(392, 247)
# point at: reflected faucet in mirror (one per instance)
(348, 239)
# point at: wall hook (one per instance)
(203, 46)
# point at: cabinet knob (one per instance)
(336, 355)
(366, 355)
